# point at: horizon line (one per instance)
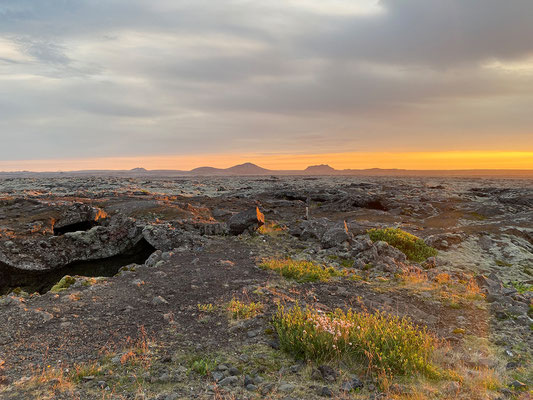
(141, 169)
(415, 161)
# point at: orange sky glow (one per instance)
(445, 160)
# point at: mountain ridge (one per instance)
(251, 169)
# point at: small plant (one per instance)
(202, 365)
(443, 278)
(206, 307)
(65, 282)
(413, 247)
(19, 292)
(473, 291)
(240, 310)
(414, 276)
(301, 271)
(83, 370)
(384, 343)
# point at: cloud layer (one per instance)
(90, 78)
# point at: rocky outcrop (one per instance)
(444, 241)
(41, 253)
(166, 237)
(379, 255)
(247, 220)
(337, 235)
(78, 217)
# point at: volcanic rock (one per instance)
(246, 220)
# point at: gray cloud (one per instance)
(126, 77)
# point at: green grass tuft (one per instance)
(413, 247)
(384, 343)
(202, 365)
(301, 271)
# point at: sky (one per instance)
(176, 84)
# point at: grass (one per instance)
(84, 370)
(63, 284)
(413, 247)
(301, 271)
(385, 344)
(240, 310)
(202, 365)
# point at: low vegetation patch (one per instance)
(385, 344)
(240, 310)
(521, 287)
(207, 308)
(65, 282)
(413, 247)
(301, 271)
(202, 365)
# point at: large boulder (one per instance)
(246, 220)
(311, 229)
(166, 237)
(337, 235)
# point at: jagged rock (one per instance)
(166, 237)
(491, 286)
(443, 241)
(312, 229)
(336, 236)
(229, 381)
(154, 258)
(50, 252)
(246, 220)
(79, 216)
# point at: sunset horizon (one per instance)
(422, 161)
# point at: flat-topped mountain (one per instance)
(322, 169)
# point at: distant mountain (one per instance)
(322, 169)
(249, 169)
(241, 169)
(206, 171)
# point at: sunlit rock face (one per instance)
(246, 220)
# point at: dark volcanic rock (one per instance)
(338, 235)
(246, 220)
(78, 217)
